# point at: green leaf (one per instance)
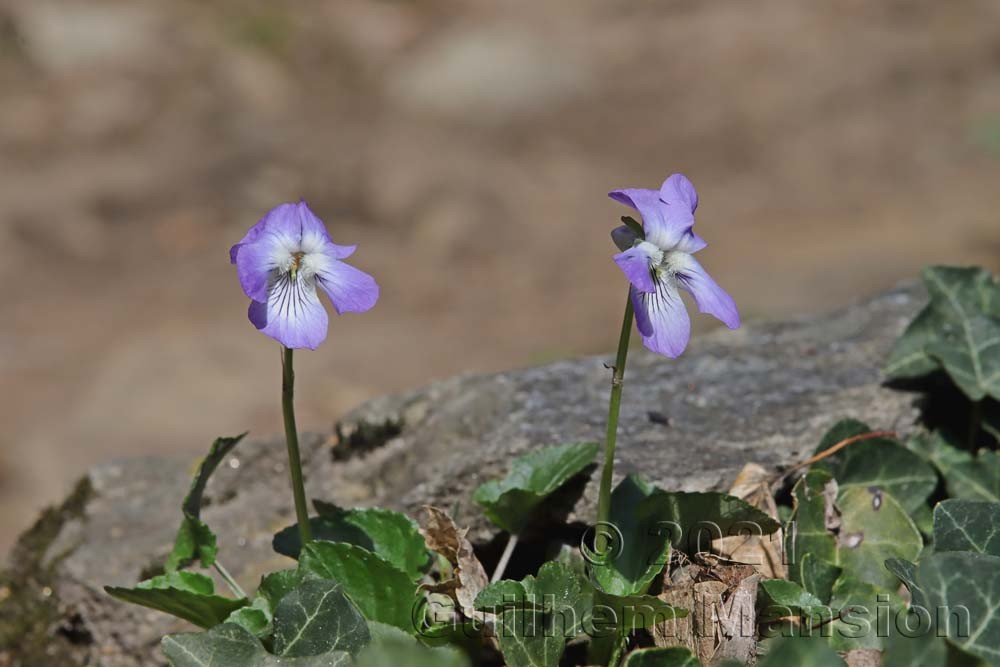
(381, 591)
(194, 538)
(675, 656)
(392, 535)
(816, 575)
(510, 502)
(779, 598)
(909, 358)
(391, 646)
(976, 479)
(906, 572)
(317, 618)
(937, 450)
(877, 462)
(276, 585)
(639, 547)
(963, 596)
(967, 525)
(187, 595)
(859, 606)
(649, 520)
(231, 645)
(256, 618)
(968, 343)
(800, 652)
(871, 527)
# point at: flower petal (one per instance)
(351, 290)
(710, 298)
(662, 319)
(679, 190)
(665, 221)
(691, 243)
(636, 263)
(256, 262)
(292, 314)
(624, 237)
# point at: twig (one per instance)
(228, 578)
(504, 559)
(830, 451)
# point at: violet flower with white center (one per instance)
(663, 262)
(282, 260)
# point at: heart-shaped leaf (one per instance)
(646, 521)
(391, 646)
(256, 618)
(975, 478)
(877, 462)
(857, 606)
(509, 502)
(857, 533)
(382, 592)
(801, 652)
(187, 595)
(392, 535)
(968, 343)
(816, 575)
(675, 656)
(909, 357)
(194, 538)
(317, 618)
(963, 598)
(967, 525)
(230, 645)
(779, 598)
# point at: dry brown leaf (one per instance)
(763, 552)
(443, 536)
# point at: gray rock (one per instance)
(765, 393)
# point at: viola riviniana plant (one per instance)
(658, 260)
(281, 261)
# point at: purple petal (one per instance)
(635, 264)
(255, 264)
(662, 320)
(677, 189)
(624, 237)
(351, 290)
(691, 243)
(710, 298)
(665, 223)
(292, 314)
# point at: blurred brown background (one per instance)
(467, 147)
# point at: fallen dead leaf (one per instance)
(763, 552)
(444, 537)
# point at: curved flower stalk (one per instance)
(281, 261)
(663, 262)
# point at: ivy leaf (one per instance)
(510, 502)
(936, 449)
(870, 527)
(909, 358)
(381, 591)
(187, 595)
(780, 598)
(317, 618)
(276, 585)
(816, 575)
(194, 538)
(967, 525)
(963, 595)
(229, 645)
(801, 652)
(877, 462)
(975, 478)
(392, 535)
(856, 604)
(968, 343)
(391, 646)
(674, 656)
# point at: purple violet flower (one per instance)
(663, 261)
(280, 262)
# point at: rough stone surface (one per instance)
(765, 393)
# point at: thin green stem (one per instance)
(505, 558)
(228, 578)
(292, 440)
(975, 422)
(616, 653)
(614, 406)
